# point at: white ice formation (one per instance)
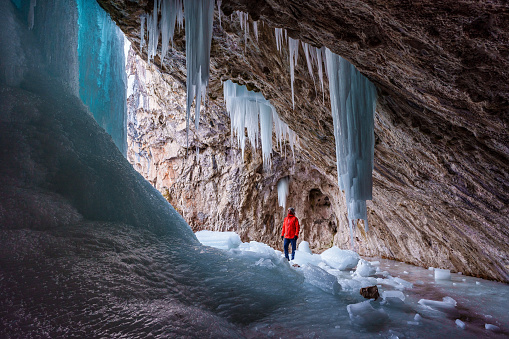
(353, 101)
(282, 191)
(246, 109)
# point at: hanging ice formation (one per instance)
(282, 192)
(244, 108)
(353, 103)
(102, 75)
(199, 17)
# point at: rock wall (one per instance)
(219, 190)
(441, 182)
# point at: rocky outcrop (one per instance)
(440, 195)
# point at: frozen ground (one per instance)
(413, 302)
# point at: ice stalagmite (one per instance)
(244, 108)
(199, 16)
(353, 101)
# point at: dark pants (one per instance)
(294, 245)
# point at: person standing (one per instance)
(290, 232)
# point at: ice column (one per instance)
(282, 192)
(199, 15)
(353, 101)
(102, 75)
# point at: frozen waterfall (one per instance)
(102, 70)
(353, 101)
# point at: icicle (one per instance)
(170, 10)
(351, 225)
(309, 60)
(353, 103)
(282, 192)
(255, 29)
(31, 13)
(219, 10)
(153, 31)
(142, 31)
(318, 52)
(279, 38)
(293, 46)
(244, 25)
(199, 16)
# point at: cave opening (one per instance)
(88, 246)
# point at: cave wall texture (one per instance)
(440, 195)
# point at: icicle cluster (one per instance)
(314, 56)
(246, 108)
(353, 101)
(199, 17)
(282, 192)
(171, 13)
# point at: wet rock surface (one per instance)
(440, 195)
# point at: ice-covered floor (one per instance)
(413, 302)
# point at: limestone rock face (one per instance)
(441, 181)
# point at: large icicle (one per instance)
(199, 16)
(353, 101)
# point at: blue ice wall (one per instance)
(102, 79)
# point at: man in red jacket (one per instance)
(290, 232)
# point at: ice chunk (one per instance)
(363, 314)
(460, 324)
(441, 274)
(221, 240)
(404, 283)
(282, 192)
(304, 247)
(446, 304)
(491, 327)
(319, 278)
(417, 317)
(340, 259)
(364, 269)
(393, 294)
(302, 258)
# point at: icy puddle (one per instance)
(414, 301)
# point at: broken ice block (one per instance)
(441, 274)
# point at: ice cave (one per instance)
(150, 151)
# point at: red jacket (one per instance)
(290, 227)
